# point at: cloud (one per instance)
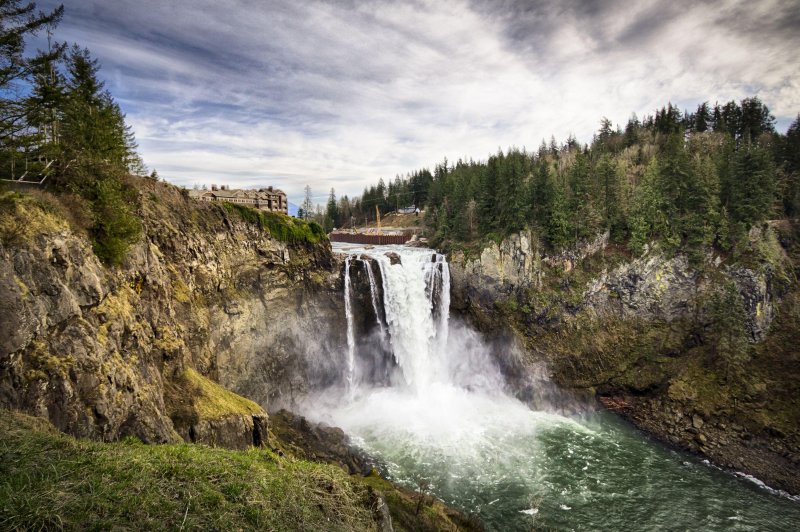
(338, 94)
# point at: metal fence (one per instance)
(361, 238)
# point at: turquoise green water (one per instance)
(530, 470)
(445, 426)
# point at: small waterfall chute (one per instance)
(351, 340)
(373, 290)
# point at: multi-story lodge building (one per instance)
(267, 199)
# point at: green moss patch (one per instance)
(415, 511)
(23, 217)
(212, 401)
(280, 227)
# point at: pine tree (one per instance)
(647, 221)
(94, 128)
(674, 185)
(612, 195)
(510, 205)
(727, 336)
(752, 186)
(790, 157)
(755, 120)
(702, 118)
(586, 219)
(558, 228)
(703, 205)
(19, 21)
(308, 204)
(632, 131)
(331, 213)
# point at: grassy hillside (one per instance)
(53, 481)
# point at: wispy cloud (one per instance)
(337, 94)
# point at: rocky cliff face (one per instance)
(642, 334)
(135, 350)
(654, 286)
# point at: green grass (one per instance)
(52, 481)
(415, 511)
(212, 401)
(281, 227)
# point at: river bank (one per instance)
(644, 336)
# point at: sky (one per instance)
(337, 94)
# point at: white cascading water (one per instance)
(373, 290)
(351, 340)
(412, 289)
(445, 425)
(409, 304)
(444, 301)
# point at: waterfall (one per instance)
(374, 295)
(444, 301)
(351, 341)
(416, 301)
(429, 402)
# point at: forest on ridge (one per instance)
(689, 181)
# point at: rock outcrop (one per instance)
(647, 335)
(654, 286)
(103, 352)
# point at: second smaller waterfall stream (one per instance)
(348, 309)
(373, 291)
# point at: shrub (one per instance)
(115, 226)
(280, 227)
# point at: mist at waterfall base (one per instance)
(422, 394)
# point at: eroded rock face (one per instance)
(756, 290)
(97, 350)
(231, 432)
(634, 333)
(650, 287)
(500, 268)
(319, 442)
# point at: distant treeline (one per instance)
(686, 180)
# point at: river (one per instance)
(445, 424)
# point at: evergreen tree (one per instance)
(308, 204)
(632, 131)
(94, 127)
(557, 224)
(752, 186)
(331, 213)
(510, 205)
(19, 21)
(612, 195)
(586, 219)
(754, 120)
(703, 207)
(790, 157)
(702, 118)
(726, 334)
(648, 220)
(538, 192)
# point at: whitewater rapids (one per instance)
(446, 425)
